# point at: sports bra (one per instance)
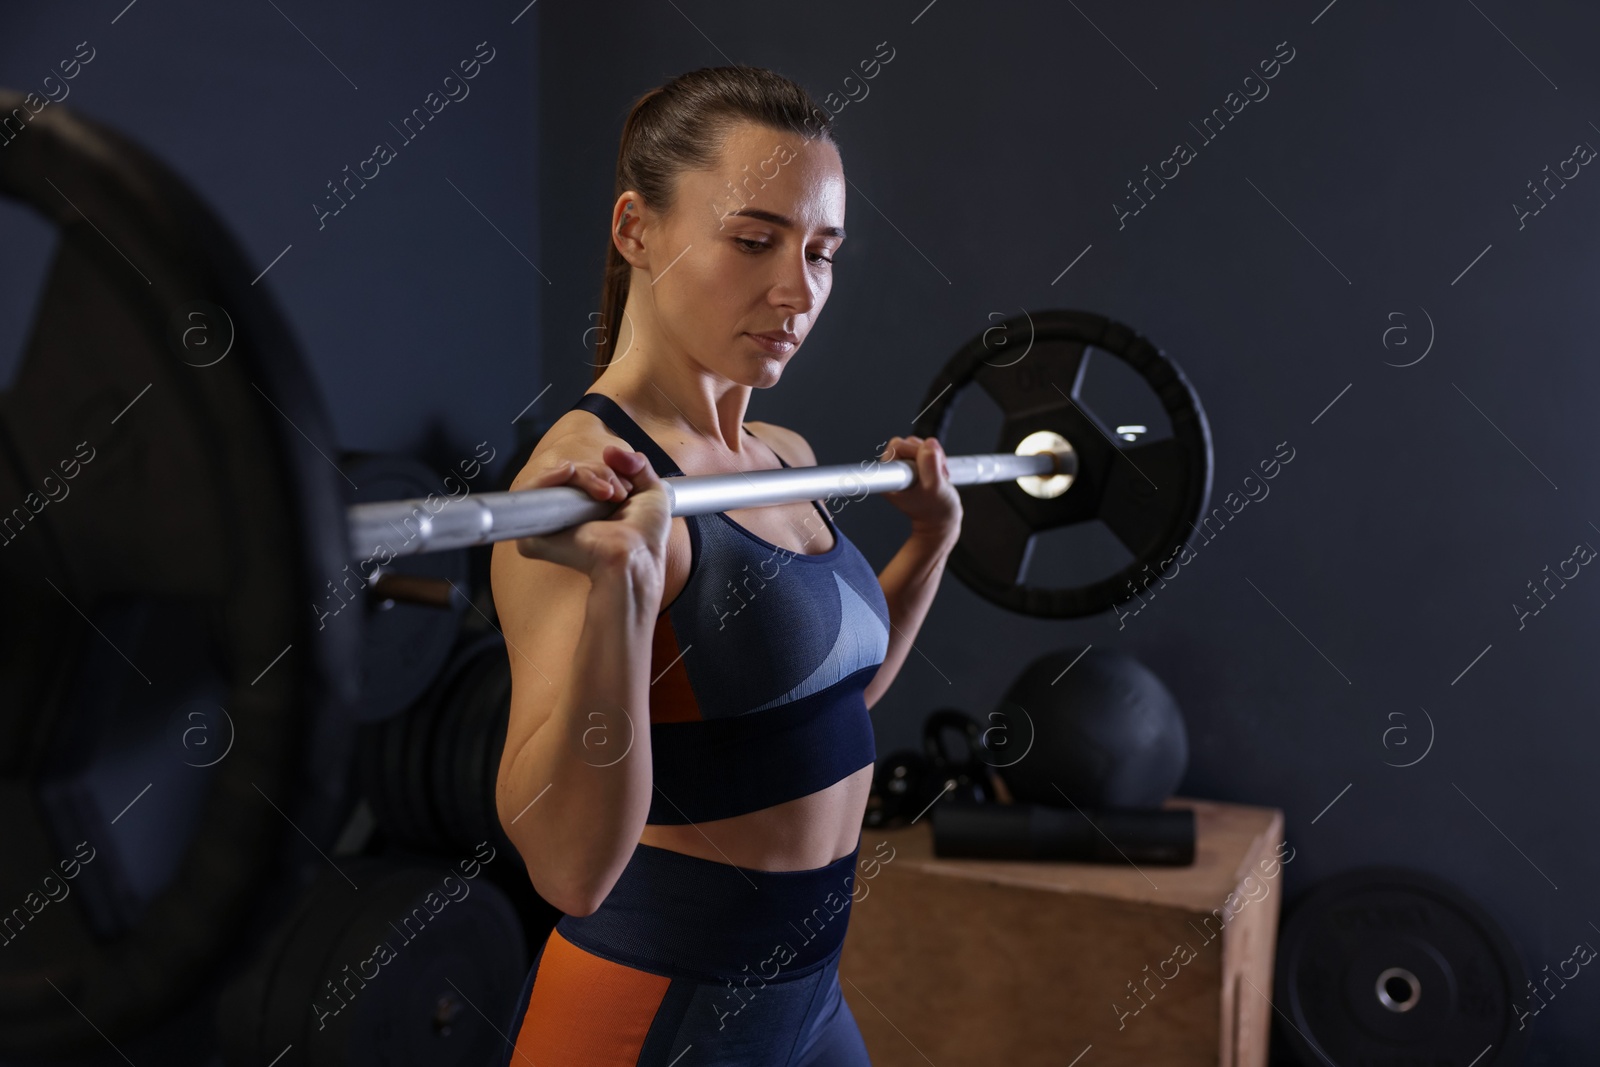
(759, 665)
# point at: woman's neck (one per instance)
(674, 391)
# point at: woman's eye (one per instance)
(749, 245)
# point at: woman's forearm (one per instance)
(909, 583)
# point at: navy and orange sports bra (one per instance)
(759, 665)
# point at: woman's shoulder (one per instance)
(576, 435)
(788, 444)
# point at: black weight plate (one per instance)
(471, 709)
(440, 773)
(449, 764)
(406, 645)
(243, 1026)
(300, 958)
(413, 821)
(383, 777)
(1388, 965)
(328, 996)
(174, 477)
(1149, 495)
(455, 967)
(399, 756)
(488, 738)
(422, 724)
(455, 772)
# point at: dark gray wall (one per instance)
(1387, 557)
(418, 319)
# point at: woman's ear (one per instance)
(627, 225)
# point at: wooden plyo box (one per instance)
(1020, 963)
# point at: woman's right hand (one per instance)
(633, 535)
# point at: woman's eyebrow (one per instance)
(782, 220)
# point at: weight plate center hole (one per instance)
(1398, 989)
(1050, 486)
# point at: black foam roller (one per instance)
(1041, 832)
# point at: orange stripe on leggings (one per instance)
(586, 1011)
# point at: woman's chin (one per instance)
(762, 371)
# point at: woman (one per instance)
(689, 750)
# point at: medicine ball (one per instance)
(1103, 729)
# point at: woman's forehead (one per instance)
(780, 172)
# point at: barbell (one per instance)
(1063, 467)
(407, 527)
(178, 698)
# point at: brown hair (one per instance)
(680, 126)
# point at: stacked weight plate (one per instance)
(384, 961)
(429, 774)
(405, 645)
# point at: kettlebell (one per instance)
(958, 759)
(902, 785)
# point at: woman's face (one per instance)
(742, 265)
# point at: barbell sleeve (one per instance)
(409, 527)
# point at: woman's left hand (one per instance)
(932, 502)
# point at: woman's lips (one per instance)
(776, 343)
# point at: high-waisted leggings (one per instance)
(694, 963)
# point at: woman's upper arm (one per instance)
(541, 607)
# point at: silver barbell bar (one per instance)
(1044, 465)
